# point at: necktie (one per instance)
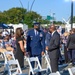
(36, 33)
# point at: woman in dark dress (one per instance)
(20, 51)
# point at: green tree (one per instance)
(57, 22)
(15, 15)
(20, 15)
(3, 18)
(44, 21)
(30, 17)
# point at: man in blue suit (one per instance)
(36, 42)
(48, 37)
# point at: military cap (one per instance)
(36, 24)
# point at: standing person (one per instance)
(47, 40)
(71, 46)
(54, 48)
(48, 37)
(69, 52)
(36, 42)
(65, 37)
(1, 36)
(20, 51)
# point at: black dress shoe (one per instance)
(22, 67)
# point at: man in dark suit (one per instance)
(36, 42)
(71, 46)
(53, 48)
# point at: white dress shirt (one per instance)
(36, 32)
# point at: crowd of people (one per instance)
(36, 42)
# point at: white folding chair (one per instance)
(6, 58)
(57, 73)
(8, 53)
(47, 61)
(49, 66)
(16, 70)
(71, 70)
(1, 55)
(37, 67)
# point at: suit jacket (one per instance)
(48, 37)
(35, 43)
(71, 41)
(54, 45)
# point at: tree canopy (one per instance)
(20, 15)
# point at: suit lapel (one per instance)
(54, 33)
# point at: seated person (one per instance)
(1, 36)
(7, 44)
(1, 47)
(13, 42)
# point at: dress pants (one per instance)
(54, 64)
(73, 57)
(70, 55)
(65, 54)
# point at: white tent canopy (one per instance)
(23, 26)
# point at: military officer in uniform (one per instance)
(36, 42)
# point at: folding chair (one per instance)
(5, 54)
(1, 55)
(71, 71)
(1, 63)
(46, 56)
(47, 61)
(37, 68)
(14, 68)
(57, 73)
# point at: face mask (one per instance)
(37, 29)
(22, 33)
